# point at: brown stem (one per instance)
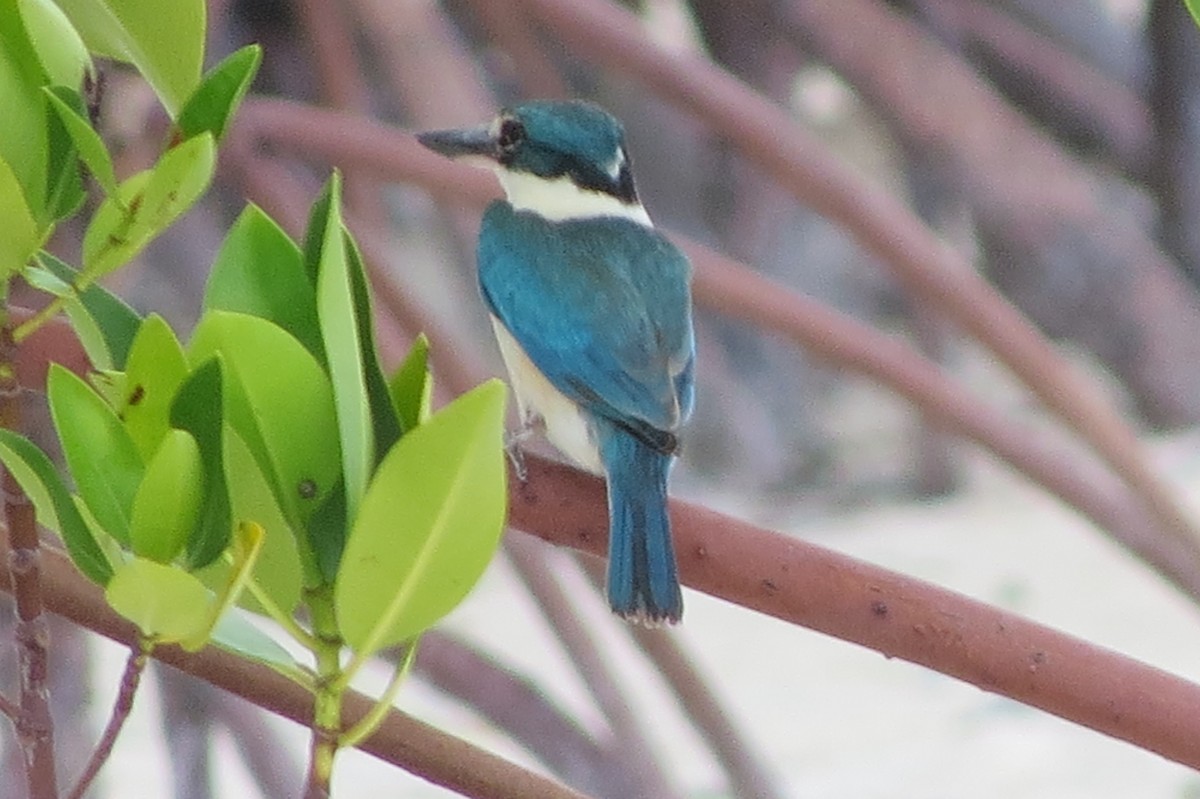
(35, 726)
(135, 665)
(891, 613)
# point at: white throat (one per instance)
(560, 199)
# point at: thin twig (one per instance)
(9, 708)
(135, 666)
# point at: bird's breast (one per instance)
(567, 425)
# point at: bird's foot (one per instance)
(512, 447)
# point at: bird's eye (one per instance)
(512, 133)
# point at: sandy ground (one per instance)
(832, 719)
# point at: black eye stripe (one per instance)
(511, 134)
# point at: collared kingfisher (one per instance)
(592, 312)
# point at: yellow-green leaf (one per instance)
(165, 602)
(167, 506)
(428, 525)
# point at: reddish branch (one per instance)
(891, 613)
(792, 580)
(135, 665)
(33, 722)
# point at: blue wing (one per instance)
(602, 307)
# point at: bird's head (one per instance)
(561, 159)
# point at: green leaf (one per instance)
(167, 506)
(146, 204)
(165, 602)
(100, 455)
(69, 107)
(23, 143)
(58, 46)
(428, 525)
(104, 323)
(238, 634)
(198, 409)
(154, 371)
(55, 508)
(339, 330)
(411, 387)
(277, 571)
(21, 237)
(385, 422)
(213, 104)
(260, 271)
(279, 400)
(165, 41)
(64, 180)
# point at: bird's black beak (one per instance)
(478, 141)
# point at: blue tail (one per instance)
(642, 584)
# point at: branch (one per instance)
(34, 724)
(891, 613)
(401, 740)
(135, 665)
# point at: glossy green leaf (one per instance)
(213, 104)
(43, 279)
(67, 104)
(58, 45)
(154, 371)
(165, 602)
(385, 423)
(339, 330)
(23, 145)
(100, 455)
(428, 525)
(104, 323)
(260, 271)
(277, 571)
(167, 506)
(146, 204)
(165, 41)
(280, 402)
(21, 237)
(411, 386)
(198, 408)
(55, 508)
(238, 634)
(326, 530)
(64, 182)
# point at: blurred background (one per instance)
(1054, 145)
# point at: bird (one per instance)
(592, 310)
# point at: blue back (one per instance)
(602, 307)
